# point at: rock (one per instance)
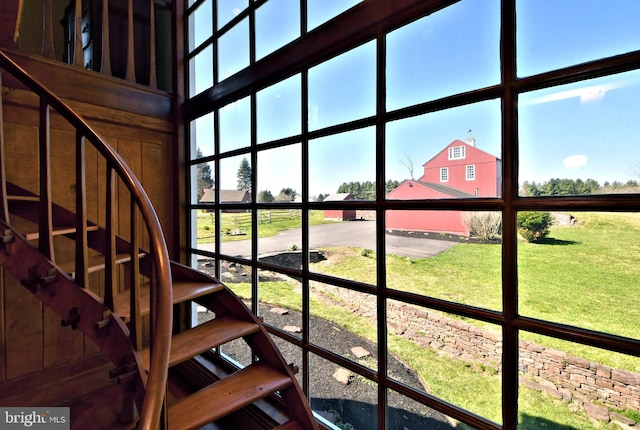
(342, 376)
(291, 329)
(621, 419)
(360, 352)
(279, 311)
(597, 412)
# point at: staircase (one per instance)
(120, 293)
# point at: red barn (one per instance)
(339, 214)
(460, 170)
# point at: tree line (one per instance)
(572, 187)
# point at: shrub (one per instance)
(293, 246)
(534, 226)
(483, 225)
(365, 252)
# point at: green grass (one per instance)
(237, 226)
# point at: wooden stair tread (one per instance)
(182, 292)
(230, 394)
(199, 339)
(60, 231)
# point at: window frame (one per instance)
(366, 22)
(470, 172)
(444, 174)
(457, 152)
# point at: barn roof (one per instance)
(445, 189)
(338, 197)
(209, 195)
(469, 147)
(440, 188)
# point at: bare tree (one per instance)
(408, 163)
(635, 169)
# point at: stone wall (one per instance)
(563, 376)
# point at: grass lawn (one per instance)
(270, 222)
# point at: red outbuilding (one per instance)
(339, 214)
(460, 170)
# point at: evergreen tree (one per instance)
(203, 176)
(244, 175)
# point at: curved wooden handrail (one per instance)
(162, 298)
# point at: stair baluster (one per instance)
(82, 257)
(4, 209)
(45, 228)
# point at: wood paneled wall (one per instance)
(133, 119)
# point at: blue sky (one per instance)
(584, 130)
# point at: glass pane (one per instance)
(345, 249)
(203, 228)
(340, 397)
(426, 256)
(343, 166)
(238, 278)
(205, 265)
(233, 50)
(343, 89)
(280, 241)
(235, 178)
(576, 32)
(200, 24)
(202, 191)
(584, 146)
(279, 110)
(565, 385)
(404, 413)
(236, 233)
(202, 136)
(428, 156)
(277, 23)
(337, 313)
(235, 125)
(576, 267)
(280, 174)
(201, 71)
(454, 50)
(229, 9)
(292, 354)
(321, 11)
(280, 297)
(455, 360)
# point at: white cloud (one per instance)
(575, 161)
(586, 94)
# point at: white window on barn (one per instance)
(471, 172)
(444, 174)
(457, 153)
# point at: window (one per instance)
(349, 105)
(457, 153)
(444, 174)
(471, 172)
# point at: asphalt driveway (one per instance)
(360, 234)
